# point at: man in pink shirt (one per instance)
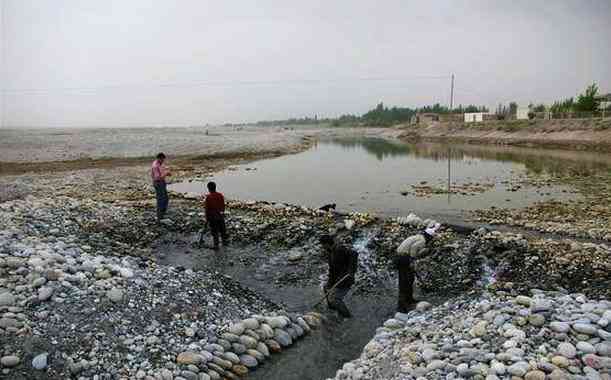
(158, 174)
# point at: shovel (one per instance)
(203, 231)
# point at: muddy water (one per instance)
(370, 174)
(298, 288)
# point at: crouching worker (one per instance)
(412, 249)
(215, 214)
(343, 263)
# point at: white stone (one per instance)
(45, 293)
(567, 350)
(40, 361)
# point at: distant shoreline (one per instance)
(572, 134)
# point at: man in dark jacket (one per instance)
(343, 263)
(215, 214)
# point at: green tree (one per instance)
(587, 102)
(513, 108)
(562, 106)
(539, 108)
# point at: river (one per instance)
(391, 178)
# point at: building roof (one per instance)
(604, 97)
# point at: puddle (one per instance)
(370, 174)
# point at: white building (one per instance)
(474, 117)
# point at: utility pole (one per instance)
(3, 51)
(452, 94)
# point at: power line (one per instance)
(201, 83)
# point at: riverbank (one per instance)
(577, 134)
(77, 240)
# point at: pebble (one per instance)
(560, 361)
(586, 348)
(561, 327)
(498, 368)
(256, 354)
(248, 341)
(40, 361)
(251, 323)
(524, 300)
(188, 375)
(188, 358)
(537, 320)
(262, 348)
(479, 329)
(248, 361)
(231, 357)
(7, 299)
(115, 295)
(273, 345)
(585, 328)
(237, 328)
(239, 370)
(276, 322)
(535, 375)
(539, 306)
(603, 349)
(393, 324)
(45, 293)
(567, 350)
(463, 370)
(238, 348)
(282, 337)
(10, 361)
(435, 365)
(518, 369)
(558, 375)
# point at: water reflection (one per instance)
(380, 148)
(536, 161)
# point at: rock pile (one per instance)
(68, 310)
(548, 335)
(502, 260)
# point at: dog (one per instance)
(329, 207)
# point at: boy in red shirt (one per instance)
(215, 214)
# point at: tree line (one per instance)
(381, 115)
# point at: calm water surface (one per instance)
(369, 174)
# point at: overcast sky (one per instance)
(190, 62)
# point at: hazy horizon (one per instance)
(69, 63)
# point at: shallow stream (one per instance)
(298, 287)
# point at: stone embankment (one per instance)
(579, 134)
(546, 335)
